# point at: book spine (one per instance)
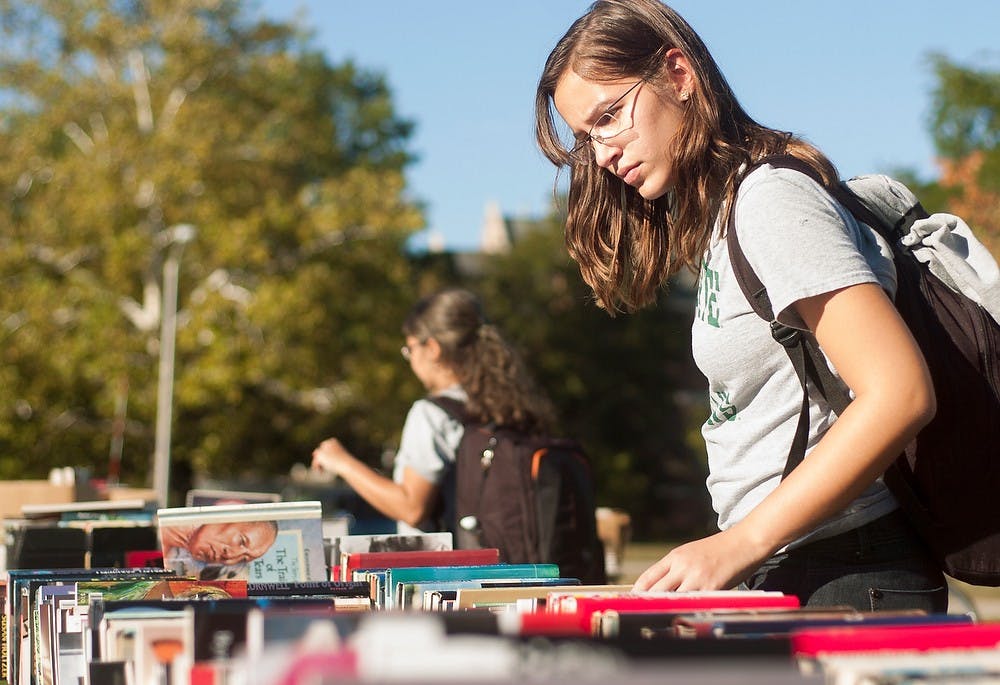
(319, 587)
(458, 557)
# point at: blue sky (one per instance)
(851, 76)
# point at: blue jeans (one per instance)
(882, 565)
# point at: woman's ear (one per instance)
(678, 73)
(433, 349)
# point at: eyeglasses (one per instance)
(607, 126)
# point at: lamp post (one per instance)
(175, 237)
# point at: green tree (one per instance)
(966, 128)
(120, 119)
(965, 124)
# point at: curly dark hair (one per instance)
(493, 374)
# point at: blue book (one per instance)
(413, 594)
(395, 577)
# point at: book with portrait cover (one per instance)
(267, 542)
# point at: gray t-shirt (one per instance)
(428, 444)
(800, 243)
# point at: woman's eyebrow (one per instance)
(599, 109)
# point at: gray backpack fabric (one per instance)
(944, 242)
(948, 293)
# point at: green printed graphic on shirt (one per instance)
(722, 409)
(708, 296)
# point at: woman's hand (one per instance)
(330, 456)
(718, 562)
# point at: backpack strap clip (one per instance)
(786, 335)
(488, 453)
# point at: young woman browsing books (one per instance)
(658, 150)
(456, 353)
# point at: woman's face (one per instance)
(642, 155)
(231, 543)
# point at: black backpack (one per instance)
(948, 478)
(531, 497)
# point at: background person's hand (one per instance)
(329, 455)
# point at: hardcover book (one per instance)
(419, 594)
(352, 561)
(939, 633)
(396, 577)
(588, 607)
(385, 542)
(263, 542)
(493, 597)
(781, 623)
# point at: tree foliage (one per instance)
(121, 119)
(965, 124)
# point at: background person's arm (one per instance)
(409, 501)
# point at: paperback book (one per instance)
(262, 542)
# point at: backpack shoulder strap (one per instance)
(801, 346)
(453, 407)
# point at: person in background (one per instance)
(456, 353)
(657, 157)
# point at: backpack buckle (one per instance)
(487, 459)
(786, 335)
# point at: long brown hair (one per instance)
(627, 247)
(492, 373)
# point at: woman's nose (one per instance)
(605, 155)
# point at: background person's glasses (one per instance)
(407, 350)
(607, 126)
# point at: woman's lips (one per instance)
(631, 175)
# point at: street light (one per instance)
(175, 238)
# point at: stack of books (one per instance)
(247, 595)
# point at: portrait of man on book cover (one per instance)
(249, 548)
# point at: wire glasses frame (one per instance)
(607, 126)
(407, 350)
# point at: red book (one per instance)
(540, 624)
(920, 638)
(589, 608)
(353, 561)
(144, 558)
